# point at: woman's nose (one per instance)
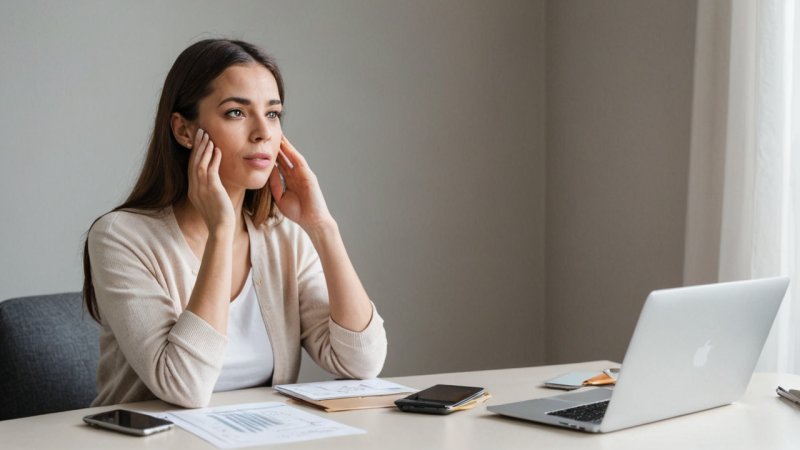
(261, 131)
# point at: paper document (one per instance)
(327, 390)
(250, 424)
(570, 380)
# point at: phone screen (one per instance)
(129, 420)
(448, 394)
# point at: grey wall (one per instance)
(619, 95)
(432, 130)
(423, 120)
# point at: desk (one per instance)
(760, 420)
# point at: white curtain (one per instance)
(744, 176)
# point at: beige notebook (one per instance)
(345, 395)
(350, 403)
(382, 401)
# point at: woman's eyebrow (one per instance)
(245, 101)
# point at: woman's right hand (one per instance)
(206, 192)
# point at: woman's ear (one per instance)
(182, 130)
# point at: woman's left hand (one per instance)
(301, 200)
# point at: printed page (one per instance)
(250, 424)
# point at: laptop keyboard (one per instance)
(592, 412)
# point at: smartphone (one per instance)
(439, 399)
(130, 422)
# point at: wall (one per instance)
(619, 95)
(423, 120)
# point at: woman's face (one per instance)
(242, 117)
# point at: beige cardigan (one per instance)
(144, 272)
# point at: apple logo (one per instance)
(701, 355)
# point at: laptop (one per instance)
(694, 348)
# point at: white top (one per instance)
(248, 358)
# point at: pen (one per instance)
(791, 395)
(599, 380)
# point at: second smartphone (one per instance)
(439, 399)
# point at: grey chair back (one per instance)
(49, 349)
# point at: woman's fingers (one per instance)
(284, 164)
(300, 199)
(202, 157)
(206, 191)
(204, 162)
(213, 167)
(197, 148)
(285, 160)
(294, 157)
(275, 184)
(208, 152)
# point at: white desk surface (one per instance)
(760, 420)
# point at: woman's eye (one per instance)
(274, 115)
(235, 113)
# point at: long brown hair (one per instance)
(163, 180)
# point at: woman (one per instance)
(200, 284)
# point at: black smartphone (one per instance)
(439, 399)
(130, 422)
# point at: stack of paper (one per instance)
(343, 395)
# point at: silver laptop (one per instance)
(694, 348)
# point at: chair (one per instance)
(49, 350)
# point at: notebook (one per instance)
(693, 348)
(346, 395)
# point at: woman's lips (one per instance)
(259, 160)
